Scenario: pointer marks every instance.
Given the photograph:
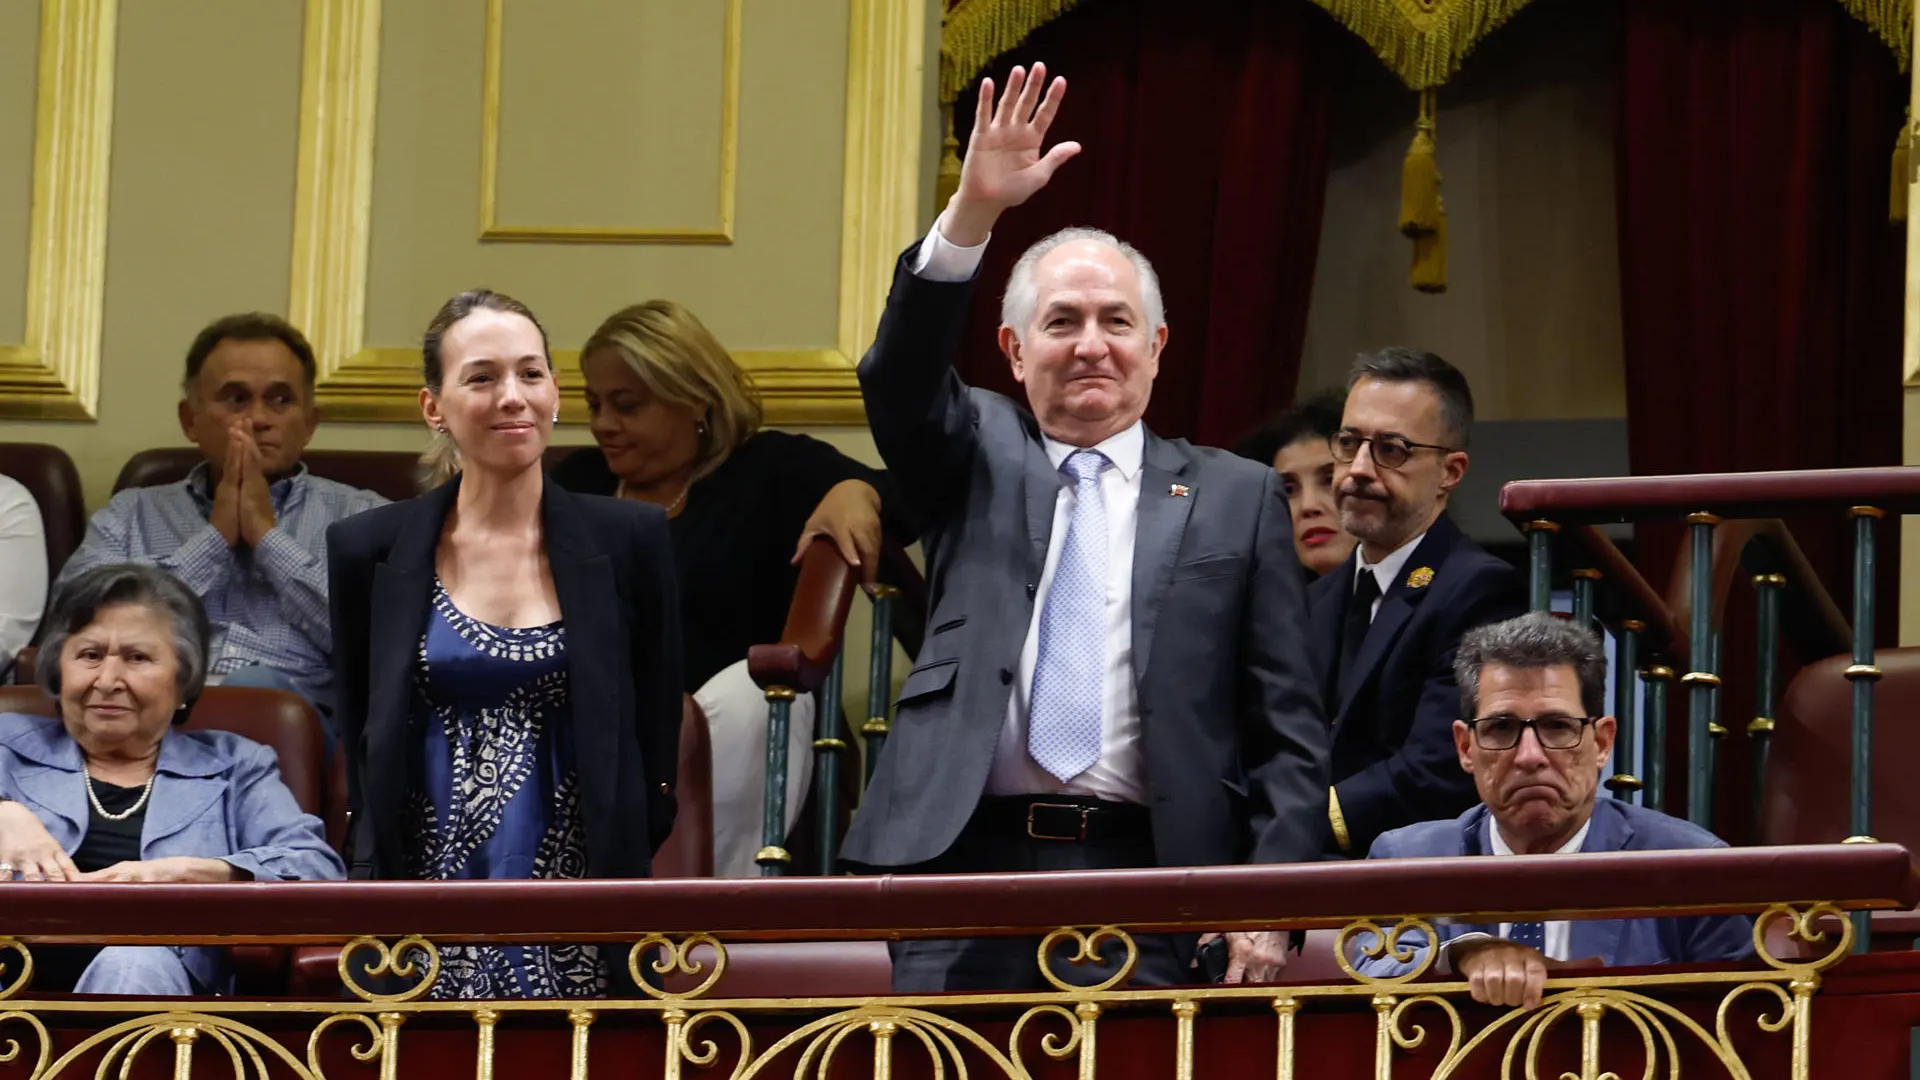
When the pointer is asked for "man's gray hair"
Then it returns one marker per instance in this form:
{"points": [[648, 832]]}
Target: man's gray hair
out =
{"points": [[1023, 295], [79, 603], [1535, 640]]}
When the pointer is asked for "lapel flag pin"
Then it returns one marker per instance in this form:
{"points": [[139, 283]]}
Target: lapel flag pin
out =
{"points": [[1178, 491], [1420, 578]]}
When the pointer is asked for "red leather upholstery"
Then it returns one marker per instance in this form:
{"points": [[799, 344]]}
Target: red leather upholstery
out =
{"points": [[48, 474], [1809, 769], [392, 473]]}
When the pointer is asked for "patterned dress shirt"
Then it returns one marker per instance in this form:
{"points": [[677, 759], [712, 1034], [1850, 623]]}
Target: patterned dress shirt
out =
{"points": [[268, 604]]}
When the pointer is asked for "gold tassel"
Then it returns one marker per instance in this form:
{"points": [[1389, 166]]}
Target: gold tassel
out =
{"points": [[1429, 274], [1420, 176], [1902, 171], [949, 178]]}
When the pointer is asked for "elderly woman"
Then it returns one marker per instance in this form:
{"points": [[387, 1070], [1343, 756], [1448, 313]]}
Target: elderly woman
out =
{"points": [[111, 792], [678, 426]]}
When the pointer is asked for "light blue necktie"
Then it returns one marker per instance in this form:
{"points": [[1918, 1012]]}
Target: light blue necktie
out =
{"points": [[1063, 729]]}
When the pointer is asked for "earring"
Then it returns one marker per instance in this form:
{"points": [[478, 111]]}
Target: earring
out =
{"points": [[700, 427], [556, 416], [440, 428]]}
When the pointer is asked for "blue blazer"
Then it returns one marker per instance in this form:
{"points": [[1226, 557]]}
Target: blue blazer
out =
{"points": [[1393, 760], [1617, 826], [217, 795]]}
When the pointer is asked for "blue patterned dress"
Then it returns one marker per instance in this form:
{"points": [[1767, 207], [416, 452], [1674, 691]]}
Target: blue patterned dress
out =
{"points": [[492, 791]]}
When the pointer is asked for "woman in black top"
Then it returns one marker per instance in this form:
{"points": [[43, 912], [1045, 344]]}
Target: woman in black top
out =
{"points": [[678, 425]]}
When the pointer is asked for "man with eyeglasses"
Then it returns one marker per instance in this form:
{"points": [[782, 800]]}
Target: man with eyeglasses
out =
{"points": [[1384, 627], [1534, 742]]}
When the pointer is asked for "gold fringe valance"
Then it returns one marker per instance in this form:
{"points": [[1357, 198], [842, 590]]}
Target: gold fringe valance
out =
{"points": [[1424, 42]]}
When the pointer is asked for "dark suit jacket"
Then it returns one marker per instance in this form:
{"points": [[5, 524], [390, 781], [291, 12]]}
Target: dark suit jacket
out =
{"points": [[1394, 761], [1235, 744], [1617, 826], [612, 565]]}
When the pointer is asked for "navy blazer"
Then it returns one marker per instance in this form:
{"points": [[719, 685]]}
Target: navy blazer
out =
{"points": [[216, 795], [1394, 761], [612, 565], [1617, 826], [1234, 744]]}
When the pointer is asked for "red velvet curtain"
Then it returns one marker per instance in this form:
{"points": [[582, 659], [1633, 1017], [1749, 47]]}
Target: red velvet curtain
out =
{"points": [[1761, 282], [1760, 278], [1204, 124]]}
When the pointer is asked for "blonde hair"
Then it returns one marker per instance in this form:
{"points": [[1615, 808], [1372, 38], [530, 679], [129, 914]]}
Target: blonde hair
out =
{"points": [[680, 361], [442, 458]]}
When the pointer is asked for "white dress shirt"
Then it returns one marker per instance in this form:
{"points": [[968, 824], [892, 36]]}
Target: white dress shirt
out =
{"points": [[1558, 932], [23, 552], [1386, 571], [1119, 774]]}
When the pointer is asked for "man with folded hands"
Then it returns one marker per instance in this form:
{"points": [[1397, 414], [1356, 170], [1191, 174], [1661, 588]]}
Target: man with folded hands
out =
{"points": [[1535, 743]]}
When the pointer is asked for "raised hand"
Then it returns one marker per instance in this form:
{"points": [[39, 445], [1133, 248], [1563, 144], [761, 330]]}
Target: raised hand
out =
{"points": [[1004, 166]]}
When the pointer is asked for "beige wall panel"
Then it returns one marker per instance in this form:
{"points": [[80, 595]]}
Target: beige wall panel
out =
{"points": [[612, 115], [205, 108], [775, 287], [19, 42], [1532, 310]]}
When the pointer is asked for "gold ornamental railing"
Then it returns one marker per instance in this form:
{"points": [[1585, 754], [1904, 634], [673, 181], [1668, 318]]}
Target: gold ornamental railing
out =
{"points": [[680, 942]]}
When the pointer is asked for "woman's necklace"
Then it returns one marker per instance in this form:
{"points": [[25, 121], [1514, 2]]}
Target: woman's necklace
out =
{"points": [[145, 793], [620, 492]]}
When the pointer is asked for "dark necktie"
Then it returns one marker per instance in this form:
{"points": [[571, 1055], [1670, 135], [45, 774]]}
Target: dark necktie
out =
{"points": [[1531, 934], [1353, 632]]}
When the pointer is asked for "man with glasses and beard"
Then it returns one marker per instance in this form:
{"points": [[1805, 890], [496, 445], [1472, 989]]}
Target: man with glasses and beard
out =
{"points": [[1384, 627], [1533, 741]]}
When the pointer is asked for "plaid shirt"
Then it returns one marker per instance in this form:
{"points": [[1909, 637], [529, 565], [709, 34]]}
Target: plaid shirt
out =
{"points": [[268, 604]]}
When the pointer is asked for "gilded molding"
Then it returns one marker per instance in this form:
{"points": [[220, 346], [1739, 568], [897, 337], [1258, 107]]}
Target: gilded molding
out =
{"points": [[55, 373], [492, 230], [333, 189], [880, 203]]}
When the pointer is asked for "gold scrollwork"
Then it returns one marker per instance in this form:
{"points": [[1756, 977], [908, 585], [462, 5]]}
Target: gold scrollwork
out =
{"points": [[127, 1040], [1051, 1044], [374, 1047], [20, 971], [709, 1051], [1087, 949], [1412, 1037], [1804, 926], [1386, 942], [676, 958], [10, 1049], [940, 1035], [402, 960]]}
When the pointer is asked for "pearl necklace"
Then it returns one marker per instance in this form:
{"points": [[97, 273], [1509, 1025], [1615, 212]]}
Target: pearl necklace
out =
{"points": [[145, 793], [620, 492]]}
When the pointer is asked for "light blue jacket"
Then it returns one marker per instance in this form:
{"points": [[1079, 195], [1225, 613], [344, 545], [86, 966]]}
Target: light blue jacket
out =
{"points": [[1617, 826], [217, 795]]}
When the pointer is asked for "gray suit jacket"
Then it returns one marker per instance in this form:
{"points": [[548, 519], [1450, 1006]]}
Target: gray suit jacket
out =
{"points": [[217, 796], [1235, 742]]}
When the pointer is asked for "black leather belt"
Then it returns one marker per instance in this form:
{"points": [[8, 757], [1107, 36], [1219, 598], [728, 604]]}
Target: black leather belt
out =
{"points": [[1066, 818]]}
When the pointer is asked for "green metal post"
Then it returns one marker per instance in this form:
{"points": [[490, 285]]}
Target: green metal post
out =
{"points": [[1863, 672], [879, 675], [773, 857], [1702, 681], [1585, 581], [1625, 782], [1767, 589], [1656, 678], [828, 744], [1540, 564]]}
